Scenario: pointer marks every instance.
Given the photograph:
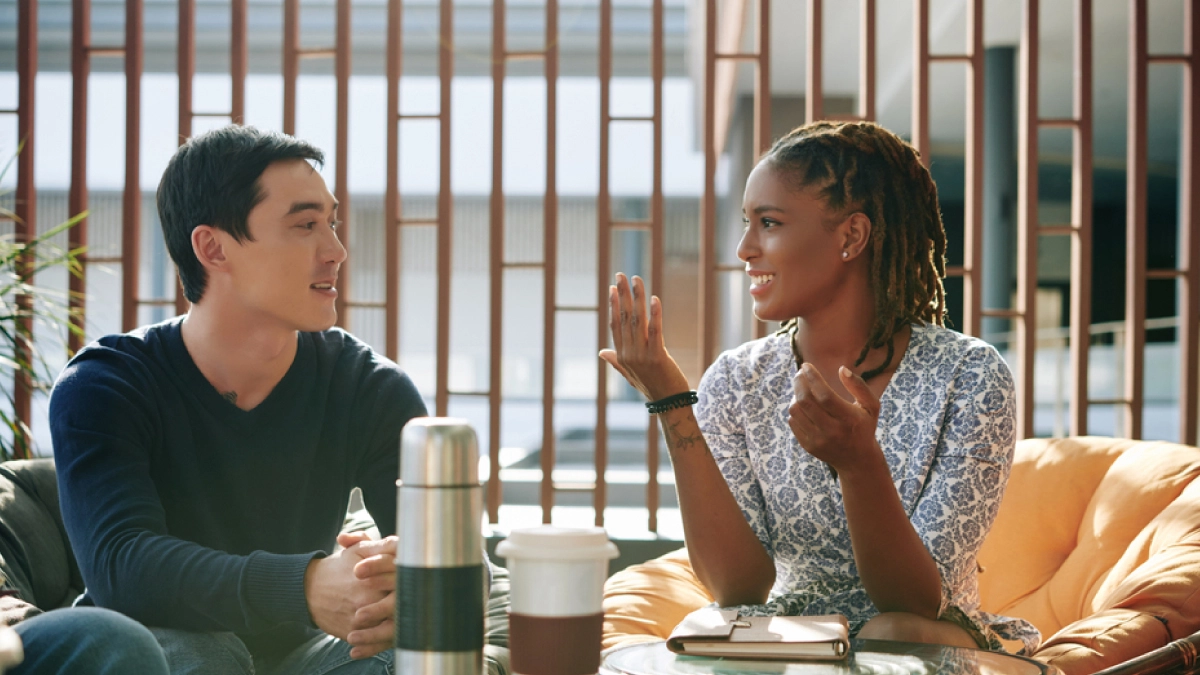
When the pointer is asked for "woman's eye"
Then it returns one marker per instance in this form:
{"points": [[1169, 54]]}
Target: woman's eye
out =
{"points": [[334, 225]]}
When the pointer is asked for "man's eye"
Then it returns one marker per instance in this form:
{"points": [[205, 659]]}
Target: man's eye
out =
{"points": [[335, 224]]}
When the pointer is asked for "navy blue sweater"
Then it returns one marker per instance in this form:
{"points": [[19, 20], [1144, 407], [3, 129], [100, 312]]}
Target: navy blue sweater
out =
{"points": [[187, 512]]}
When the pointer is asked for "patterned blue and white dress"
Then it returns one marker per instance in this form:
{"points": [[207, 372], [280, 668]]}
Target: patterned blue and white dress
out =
{"points": [[946, 426]]}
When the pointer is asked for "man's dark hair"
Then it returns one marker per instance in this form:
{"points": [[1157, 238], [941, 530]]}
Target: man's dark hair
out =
{"points": [[213, 179]]}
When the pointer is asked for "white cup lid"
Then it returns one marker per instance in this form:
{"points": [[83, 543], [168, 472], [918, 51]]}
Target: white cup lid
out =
{"points": [[548, 542]]}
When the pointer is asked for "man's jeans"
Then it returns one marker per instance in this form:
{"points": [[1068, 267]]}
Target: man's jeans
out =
{"points": [[224, 654], [191, 653], [87, 641]]}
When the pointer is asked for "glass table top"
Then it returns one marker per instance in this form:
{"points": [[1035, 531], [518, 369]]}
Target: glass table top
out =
{"points": [[867, 657]]}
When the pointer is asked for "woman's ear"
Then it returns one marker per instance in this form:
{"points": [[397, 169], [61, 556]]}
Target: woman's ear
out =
{"points": [[857, 232], [209, 247]]}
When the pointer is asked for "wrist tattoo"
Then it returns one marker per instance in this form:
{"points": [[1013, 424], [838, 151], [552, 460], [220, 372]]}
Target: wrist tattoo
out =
{"points": [[677, 436], [230, 396]]}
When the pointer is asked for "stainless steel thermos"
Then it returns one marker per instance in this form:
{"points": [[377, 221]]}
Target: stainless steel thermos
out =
{"points": [[439, 557]]}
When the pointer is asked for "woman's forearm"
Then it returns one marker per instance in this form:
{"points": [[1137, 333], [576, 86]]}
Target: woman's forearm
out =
{"points": [[896, 569], [725, 553]]}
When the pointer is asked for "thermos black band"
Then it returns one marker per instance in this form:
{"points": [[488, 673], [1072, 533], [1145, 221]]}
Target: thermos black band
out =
{"points": [[438, 609]]}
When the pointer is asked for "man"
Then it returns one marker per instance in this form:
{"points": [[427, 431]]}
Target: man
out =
{"points": [[205, 463]]}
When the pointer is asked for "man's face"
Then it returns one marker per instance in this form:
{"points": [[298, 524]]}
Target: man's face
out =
{"points": [[287, 274]]}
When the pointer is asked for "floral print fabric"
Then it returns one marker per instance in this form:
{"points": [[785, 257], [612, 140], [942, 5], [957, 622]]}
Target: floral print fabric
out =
{"points": [[947, 429]]}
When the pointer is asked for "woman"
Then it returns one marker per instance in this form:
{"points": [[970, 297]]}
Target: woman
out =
{"points": [[854, 461]]}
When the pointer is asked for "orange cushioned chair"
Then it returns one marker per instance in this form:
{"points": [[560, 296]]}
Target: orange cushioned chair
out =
{"points": [[1097, 543]]}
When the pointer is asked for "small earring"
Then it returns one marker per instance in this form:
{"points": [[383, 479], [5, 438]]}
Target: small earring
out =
{"points": [[845, 254]]}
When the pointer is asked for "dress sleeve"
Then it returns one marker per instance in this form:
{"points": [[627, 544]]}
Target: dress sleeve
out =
{"points": [[717, 414], [970, 468], [103, 426]]}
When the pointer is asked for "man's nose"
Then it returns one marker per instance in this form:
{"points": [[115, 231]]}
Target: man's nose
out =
{"points": [[335, 252]]}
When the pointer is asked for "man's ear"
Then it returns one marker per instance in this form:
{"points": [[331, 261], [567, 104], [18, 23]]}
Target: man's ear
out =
{"points": [[857, 229], [208, 243]]}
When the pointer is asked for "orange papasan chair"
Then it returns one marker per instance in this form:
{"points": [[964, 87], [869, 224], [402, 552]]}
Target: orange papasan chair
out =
{"points": [[1097, 543]]}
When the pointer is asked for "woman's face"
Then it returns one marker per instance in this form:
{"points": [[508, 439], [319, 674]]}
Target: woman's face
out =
{"points": [[792, 247]]}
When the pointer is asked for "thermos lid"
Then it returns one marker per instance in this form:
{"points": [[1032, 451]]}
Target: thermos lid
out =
{"points": [[438, 451], [548, 542]]}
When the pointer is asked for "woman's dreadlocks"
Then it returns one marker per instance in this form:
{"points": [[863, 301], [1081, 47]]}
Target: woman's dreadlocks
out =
{"points": [[860, 166]]}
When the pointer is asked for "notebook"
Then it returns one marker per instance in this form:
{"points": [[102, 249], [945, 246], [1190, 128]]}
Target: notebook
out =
{"points": [[721, 632]]}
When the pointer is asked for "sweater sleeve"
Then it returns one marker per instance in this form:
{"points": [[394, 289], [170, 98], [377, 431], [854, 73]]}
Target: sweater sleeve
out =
{"points": [[389, 401], [104, 425]]}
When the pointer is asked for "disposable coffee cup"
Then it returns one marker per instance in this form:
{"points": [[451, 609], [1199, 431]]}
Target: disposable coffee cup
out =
{"points": [[556, 579]]}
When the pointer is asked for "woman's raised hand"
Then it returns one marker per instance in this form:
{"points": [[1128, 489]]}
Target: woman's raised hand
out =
{"points": [[638, 352], [838, 432]]}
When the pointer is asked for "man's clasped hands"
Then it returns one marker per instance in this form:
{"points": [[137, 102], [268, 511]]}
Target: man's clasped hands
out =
{"points": [[350, 593]]}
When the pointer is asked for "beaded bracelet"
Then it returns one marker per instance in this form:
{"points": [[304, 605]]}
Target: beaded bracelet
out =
{"points": [[672, 402]]}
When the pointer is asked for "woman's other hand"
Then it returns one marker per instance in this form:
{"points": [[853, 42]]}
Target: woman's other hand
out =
{"points": [[638, 352], [838, 432]]}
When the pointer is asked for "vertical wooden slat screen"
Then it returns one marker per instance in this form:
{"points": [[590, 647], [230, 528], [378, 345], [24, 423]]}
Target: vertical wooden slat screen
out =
{"points": [[814, 97], [185, 64], [1025, 314], [291, 62], [549, 259], [393, 69], [972, 273], [1080, 229], [971, 270], [716, 120], [1185, 274], [25, 211], [1030, 229], [394, 218], [77, 200], [340, 52], [341, 153], [132, 205], [866, 61], [445, 210], [1189, 221], [722, 54], [604, 263], [496, 260], [658, 229], [814, 82], [606, 226], [186, 68], [920, 100], [238, 59], [1135, 232]]}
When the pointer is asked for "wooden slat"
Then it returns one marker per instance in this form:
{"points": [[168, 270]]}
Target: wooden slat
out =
{"points": [[550, 255], [604, 273], [1135, 232], [495, 261], [25, 209], [1188, 333], [973, 259], [341, 153], [393, 69], [131, 209]]}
